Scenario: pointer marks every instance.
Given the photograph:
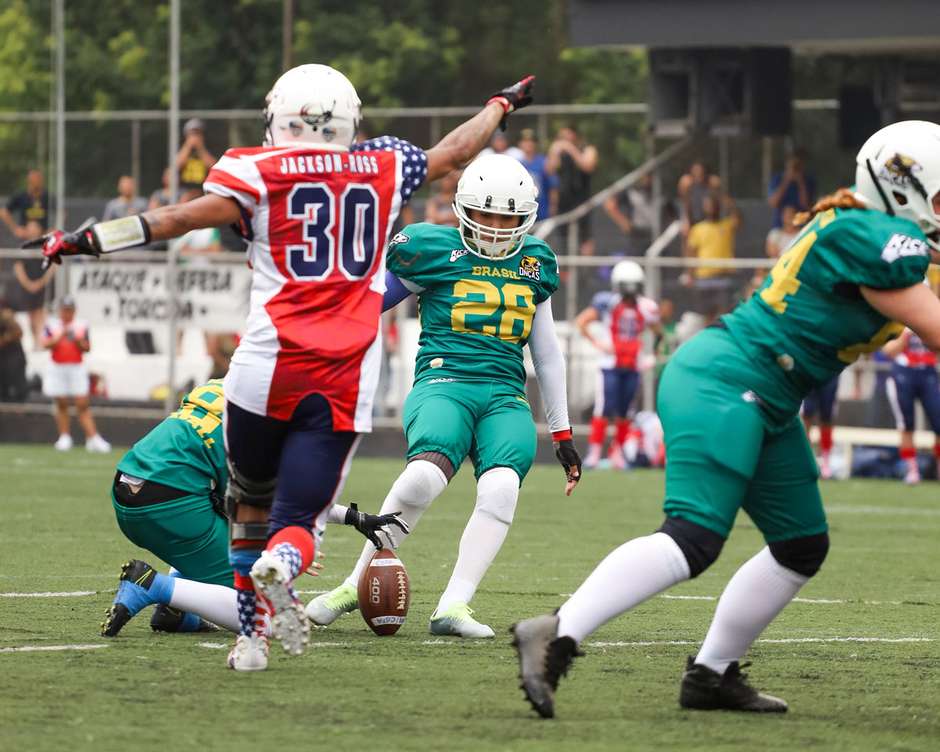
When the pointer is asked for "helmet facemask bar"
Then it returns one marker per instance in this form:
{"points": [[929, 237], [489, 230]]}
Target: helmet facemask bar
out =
{"points": [[493, 242]]}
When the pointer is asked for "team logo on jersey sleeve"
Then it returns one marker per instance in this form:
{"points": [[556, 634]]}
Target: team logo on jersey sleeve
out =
{"points": [[530, 268], [458, 253], [400, 238]]}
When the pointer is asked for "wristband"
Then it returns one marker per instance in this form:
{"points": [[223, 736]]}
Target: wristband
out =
{"points": [[501, 101], [118, 234], [563, 435]]}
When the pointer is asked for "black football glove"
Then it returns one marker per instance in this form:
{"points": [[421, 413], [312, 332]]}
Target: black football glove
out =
{"points": [[514, 98], [571, 461], [370, 524], [57, 244]]}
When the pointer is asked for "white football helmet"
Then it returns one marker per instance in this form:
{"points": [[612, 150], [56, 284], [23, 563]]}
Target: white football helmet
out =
{"points": [[313, 104], [627, 278], [898, 172], [497, 184]]}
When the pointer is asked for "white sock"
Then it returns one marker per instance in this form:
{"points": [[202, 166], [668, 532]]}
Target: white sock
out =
{"points": [[631, 574], [753, 597], [215, 603], [497, 493], [419, 484]]}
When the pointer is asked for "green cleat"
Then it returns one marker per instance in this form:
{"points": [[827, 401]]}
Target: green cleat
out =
{"points": [[459, 622], [327, 608]]}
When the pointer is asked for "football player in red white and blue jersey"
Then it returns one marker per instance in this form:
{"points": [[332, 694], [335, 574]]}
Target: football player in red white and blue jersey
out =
{"points": [[316, 210], [625, 314], [913, 378]]}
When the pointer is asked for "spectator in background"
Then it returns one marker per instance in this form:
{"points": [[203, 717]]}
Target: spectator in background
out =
{"points": [[499, 144], [193, 160], [792, 187], [439, 209], [779, 238], [573, 161], [713, 238], [634, 213], [27, 291], [13, 387], [31, 205], [127, 203], [535, 163], [693, 188], [161, 196], [67, 379]]}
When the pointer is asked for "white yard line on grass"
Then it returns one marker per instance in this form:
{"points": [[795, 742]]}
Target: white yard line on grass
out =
{"points": [[768, 641], [50, 648], [69, 594], [225, 645]]}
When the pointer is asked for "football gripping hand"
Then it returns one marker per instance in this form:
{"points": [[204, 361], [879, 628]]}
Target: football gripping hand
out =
{"points": [[514, 98], [57, 244], [371, 524], [571, 461]]}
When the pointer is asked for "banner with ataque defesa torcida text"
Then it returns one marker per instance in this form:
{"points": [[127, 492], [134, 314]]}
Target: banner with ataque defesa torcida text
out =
{"points": [[135, 295]]}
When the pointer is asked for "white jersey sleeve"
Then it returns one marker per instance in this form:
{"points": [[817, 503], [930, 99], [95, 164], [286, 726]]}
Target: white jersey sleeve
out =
{"points": [[236, 176], [549, 367]]}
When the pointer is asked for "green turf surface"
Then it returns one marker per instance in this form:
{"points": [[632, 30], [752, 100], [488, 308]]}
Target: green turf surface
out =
{"points": [[353, 691]]}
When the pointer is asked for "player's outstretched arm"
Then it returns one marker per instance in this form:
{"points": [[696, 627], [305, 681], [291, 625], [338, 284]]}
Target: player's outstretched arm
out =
{"points": [[131, 232], [549, 366], [463, 143], [915, 306]]}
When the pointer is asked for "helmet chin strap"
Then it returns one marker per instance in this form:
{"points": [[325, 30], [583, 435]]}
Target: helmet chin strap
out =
{"points": [[884, 197]]}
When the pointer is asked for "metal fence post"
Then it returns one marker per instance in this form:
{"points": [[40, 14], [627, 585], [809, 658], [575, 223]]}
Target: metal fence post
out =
{"points": [[173, 248]]}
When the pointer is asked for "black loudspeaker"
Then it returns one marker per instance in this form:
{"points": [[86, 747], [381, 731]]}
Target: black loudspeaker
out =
{"points": [[771, 91], [859, 116], [728, 90]]}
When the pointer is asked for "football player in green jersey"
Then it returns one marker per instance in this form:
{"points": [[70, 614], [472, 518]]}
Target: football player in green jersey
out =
{"points": [[729, 402], [167, 498], [483, 293]]}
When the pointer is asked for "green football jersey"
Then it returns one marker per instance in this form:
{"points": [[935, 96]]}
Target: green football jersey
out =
{"points": [[808, 321], [476, 313], [186, 450]]}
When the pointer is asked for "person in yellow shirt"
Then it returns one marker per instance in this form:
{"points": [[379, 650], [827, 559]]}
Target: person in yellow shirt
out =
{"points": [[714, 236]]}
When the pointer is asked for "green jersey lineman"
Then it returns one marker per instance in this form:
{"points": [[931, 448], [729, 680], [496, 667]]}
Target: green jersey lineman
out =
{"points": [[169, 486], [729, 402]]}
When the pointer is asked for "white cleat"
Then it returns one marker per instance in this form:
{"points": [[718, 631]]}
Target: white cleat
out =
{"points": [[825, 469], [289, 624], [249, 654], [617, 459], [912, 478], [458, 621], [63, 443], [97, 444], [327, 608]]}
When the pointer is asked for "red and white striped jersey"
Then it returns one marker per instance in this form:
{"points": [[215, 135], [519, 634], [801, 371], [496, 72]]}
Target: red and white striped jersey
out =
{"points": [[915, 354], [625, 323], [317, 223]]}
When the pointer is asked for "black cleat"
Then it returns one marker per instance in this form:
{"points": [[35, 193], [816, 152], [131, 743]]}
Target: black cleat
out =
{"points": [[543, 659], [704, 689], [132, 595], [169, 619]]}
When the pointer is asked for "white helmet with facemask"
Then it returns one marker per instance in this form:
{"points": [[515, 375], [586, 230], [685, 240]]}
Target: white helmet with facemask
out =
{"points": [[627, 278], [898, 172], [496, 184], [312, 104]]}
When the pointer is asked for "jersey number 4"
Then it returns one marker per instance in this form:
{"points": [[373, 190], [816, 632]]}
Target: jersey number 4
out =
{"points": [[319, 208]]}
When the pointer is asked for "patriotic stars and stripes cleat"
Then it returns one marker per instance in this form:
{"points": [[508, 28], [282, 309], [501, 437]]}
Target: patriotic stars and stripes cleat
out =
{"points": [[250, 653], [271, 576]]}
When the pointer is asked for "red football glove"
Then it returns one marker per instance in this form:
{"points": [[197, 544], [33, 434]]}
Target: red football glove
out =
{"points": [[57, 244], [514, 97]]}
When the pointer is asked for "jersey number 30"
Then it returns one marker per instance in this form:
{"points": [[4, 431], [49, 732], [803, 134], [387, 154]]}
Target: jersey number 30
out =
{"points": [[318, 208]]}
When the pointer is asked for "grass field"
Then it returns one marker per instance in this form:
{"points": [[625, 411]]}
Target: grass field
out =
{"points": [[858, 658]]}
